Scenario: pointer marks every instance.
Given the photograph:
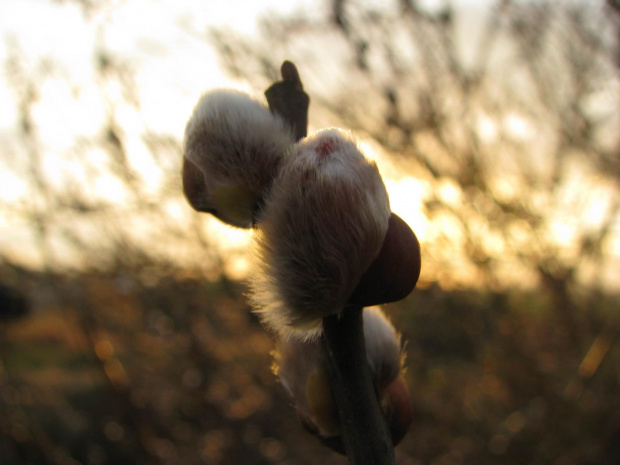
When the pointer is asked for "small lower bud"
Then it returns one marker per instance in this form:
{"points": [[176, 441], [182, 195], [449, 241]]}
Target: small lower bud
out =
{"points": [[301, 370], [397, 408]]}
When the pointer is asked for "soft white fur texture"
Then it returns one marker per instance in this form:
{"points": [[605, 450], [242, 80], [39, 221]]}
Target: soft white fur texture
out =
{"points": [[296, 360], [383, 347], [323, 225], [236, 142]]}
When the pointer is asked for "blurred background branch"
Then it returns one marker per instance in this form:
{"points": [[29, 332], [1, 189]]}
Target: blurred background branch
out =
{"points": [[495, 124]]}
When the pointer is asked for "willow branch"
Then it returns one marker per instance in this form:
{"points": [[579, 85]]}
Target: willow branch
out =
{"points": [[364, 431], [365, 435]]}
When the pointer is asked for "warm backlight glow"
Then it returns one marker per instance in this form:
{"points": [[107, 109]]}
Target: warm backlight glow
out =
{"points": [[127, 70], [406, 196]]}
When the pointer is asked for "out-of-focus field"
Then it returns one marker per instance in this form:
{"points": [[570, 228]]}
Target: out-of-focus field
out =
{"points": [[144, 368]]}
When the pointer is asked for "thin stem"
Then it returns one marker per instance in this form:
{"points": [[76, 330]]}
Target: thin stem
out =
{"points": [[364, 431]]}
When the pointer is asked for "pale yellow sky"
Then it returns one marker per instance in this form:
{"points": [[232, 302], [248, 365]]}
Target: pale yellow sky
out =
{"points": [[163, 43], [162, 40]]}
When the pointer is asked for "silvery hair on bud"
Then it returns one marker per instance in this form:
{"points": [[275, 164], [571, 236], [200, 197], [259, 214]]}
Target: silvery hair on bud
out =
{"points": [[296, 360], [235, 141], [323, 225]]}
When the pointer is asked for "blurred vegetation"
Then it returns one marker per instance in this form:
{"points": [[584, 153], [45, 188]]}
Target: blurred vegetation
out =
{"points": [[131, 343], [114, 368]]}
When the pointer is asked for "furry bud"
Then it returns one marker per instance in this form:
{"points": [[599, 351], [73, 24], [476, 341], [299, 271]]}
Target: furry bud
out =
{"points": [[301, 370], [232, 150], [322, 227]]}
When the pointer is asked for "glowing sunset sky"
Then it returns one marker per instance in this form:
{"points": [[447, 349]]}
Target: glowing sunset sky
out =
{"points": [[163, 44]]}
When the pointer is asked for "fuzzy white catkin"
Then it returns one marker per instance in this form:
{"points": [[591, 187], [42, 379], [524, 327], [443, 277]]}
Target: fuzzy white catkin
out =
{"points": [[323, 225], [297, 360], [237, 143]]}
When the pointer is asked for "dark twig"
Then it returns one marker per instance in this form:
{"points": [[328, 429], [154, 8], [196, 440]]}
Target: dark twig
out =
{"points": [[288, 99], [364, 432]]}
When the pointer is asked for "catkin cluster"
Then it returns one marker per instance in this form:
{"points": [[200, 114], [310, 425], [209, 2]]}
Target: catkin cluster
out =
{"points": [[319, 208], [324, 240]]}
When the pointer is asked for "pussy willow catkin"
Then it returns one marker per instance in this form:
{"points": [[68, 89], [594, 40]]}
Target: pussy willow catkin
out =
{"points": [[233, 147], [323, 224]]}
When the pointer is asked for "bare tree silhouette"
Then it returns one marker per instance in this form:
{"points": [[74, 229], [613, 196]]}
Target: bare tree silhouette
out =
{"points": [[512, 107]]}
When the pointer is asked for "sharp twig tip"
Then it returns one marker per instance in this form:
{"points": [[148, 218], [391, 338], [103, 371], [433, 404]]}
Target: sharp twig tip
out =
{"points": [[289, 72]]}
